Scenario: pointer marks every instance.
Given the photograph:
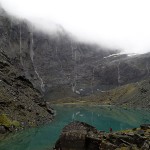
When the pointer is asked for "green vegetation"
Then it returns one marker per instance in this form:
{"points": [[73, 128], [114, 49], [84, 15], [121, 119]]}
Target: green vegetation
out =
{"points": [[4, 120]]}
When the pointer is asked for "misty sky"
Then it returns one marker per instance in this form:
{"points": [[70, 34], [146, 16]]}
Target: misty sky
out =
{"points": [[123, 24]]}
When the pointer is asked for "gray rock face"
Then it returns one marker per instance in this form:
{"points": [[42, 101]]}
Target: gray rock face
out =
{"points": [[78, 136], [49, 61], [59, 64], [19, 100]]}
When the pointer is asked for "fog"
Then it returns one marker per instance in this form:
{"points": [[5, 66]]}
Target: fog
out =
{"points": [[121, 24]]}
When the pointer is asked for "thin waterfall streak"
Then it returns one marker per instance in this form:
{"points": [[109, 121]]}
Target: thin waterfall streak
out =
{"points": [[75, 76], [20, 49], [72, 50], [75, 55], [92, 80], [31, 47], [118, 66], [60, 62], [41, 80], [74, 83], [10, 32], [93, 77], [42, 85], [74, 86], [147, 67]]}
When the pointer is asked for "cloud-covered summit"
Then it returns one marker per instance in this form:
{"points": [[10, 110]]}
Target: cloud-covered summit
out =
{"points": [[116, 24]]}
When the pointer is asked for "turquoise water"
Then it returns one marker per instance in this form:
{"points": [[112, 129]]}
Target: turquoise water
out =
{"points": [[101, 117]]}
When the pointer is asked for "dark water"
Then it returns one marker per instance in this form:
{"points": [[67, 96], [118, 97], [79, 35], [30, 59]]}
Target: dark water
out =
{"points": [[102, 118]]}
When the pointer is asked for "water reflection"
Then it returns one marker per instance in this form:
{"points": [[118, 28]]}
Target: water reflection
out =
{"points": [[103, 118]]}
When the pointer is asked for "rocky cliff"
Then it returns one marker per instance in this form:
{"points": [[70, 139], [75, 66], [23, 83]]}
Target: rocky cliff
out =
{"points": [[60, 66], [20, 102], [49, 61], [21, 105]]}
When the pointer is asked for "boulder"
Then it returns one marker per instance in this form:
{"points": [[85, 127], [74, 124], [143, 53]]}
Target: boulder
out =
{"points": [[145, 126], [78, 136], [2, 129], [81, 136], [146, 145]]}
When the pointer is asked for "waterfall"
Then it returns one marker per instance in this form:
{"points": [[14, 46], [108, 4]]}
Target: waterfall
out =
{"points": [[72, 50], [10, 33], [42, 85], [41, 80], [74, 83], [31, 47], [76, 76], [92, 80], [59, 61], [147, 67], [74, 56], [20, 49], [74, 86], [118, 66]]}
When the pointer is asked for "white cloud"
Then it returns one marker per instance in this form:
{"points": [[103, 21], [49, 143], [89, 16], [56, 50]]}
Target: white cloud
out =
{"points": [[121, 24]]}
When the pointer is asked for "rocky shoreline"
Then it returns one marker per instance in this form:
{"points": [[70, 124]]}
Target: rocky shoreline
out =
{"points": [[81, 136], [21, 105]]}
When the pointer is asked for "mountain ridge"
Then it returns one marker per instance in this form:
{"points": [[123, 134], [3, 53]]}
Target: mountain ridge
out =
{"points": [[62, 67]]}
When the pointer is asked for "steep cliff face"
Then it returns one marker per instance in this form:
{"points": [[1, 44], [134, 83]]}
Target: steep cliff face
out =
{"points": [[20, 102], [21, 105], [60, 66], [49, 61]]}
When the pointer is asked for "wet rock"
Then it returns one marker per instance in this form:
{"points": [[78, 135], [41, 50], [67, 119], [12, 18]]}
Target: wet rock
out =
{"points": [[81, 136], [146, 145], [2, 129], [12, 128], [78, 136], [145, 126], [139, 140], [42, 104], [50, 110], [119, 139], [140, 132], [107, 146]]}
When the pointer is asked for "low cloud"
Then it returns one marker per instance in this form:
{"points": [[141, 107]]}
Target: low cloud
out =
{"points": [[122, 24]]}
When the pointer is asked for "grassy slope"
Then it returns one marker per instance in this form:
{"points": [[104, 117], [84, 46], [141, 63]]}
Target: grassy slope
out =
{"points": [[134, 95]]}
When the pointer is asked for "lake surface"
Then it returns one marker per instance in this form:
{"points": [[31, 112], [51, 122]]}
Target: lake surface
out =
{"points": [[44, 137]]}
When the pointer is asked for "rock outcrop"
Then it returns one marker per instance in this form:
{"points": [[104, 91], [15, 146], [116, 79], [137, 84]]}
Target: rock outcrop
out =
{"points": [[61, 64], [19, 100], [81, 136], [78, 136]]}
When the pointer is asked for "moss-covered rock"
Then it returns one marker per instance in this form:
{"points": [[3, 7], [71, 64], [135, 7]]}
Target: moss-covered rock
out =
{"points": [[5, 121]]}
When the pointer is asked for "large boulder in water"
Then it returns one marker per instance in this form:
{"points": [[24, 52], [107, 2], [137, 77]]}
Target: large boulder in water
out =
{"points": [[78, 136], [81, 136]]}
